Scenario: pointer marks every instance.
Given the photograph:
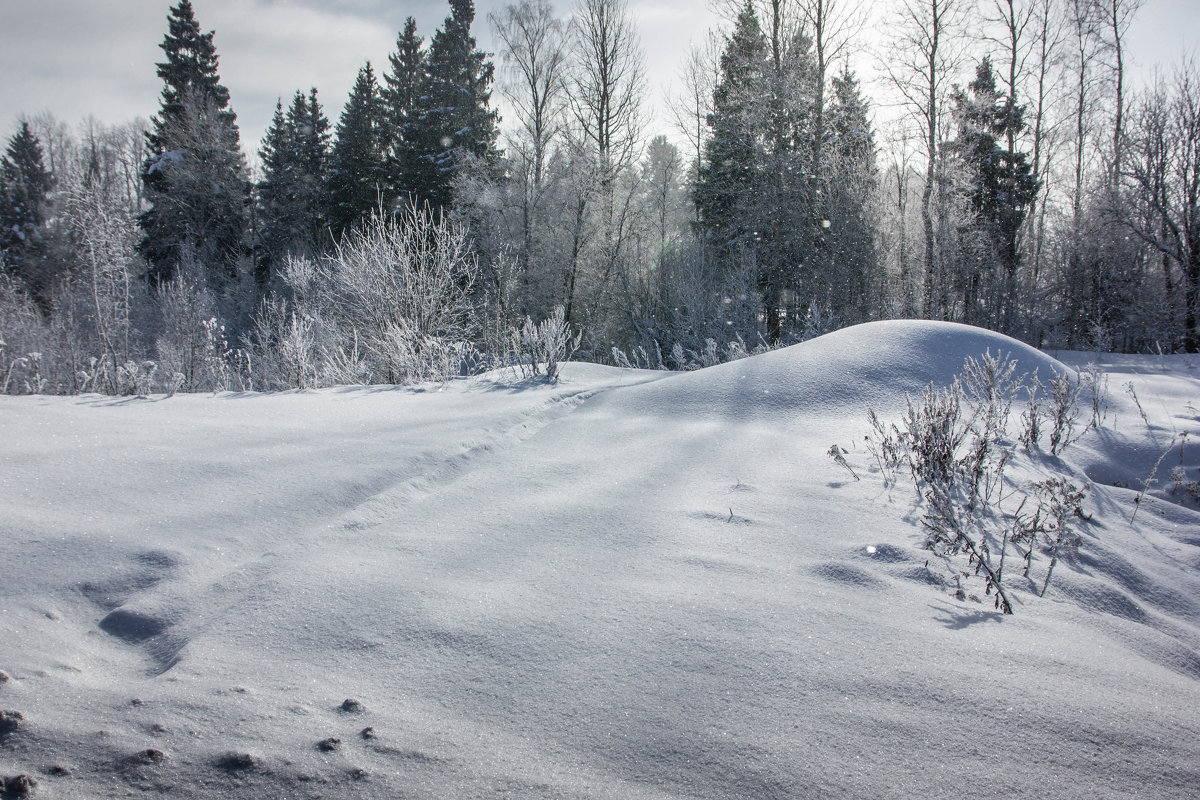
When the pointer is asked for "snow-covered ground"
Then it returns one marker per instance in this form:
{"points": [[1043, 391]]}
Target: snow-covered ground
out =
{"points": [[624, 585]]}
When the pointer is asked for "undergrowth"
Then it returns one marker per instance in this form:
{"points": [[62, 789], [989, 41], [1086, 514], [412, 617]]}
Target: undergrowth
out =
{"points": [[955, 445]]}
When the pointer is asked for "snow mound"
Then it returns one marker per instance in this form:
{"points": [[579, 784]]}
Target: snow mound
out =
{"points": [[865, 366]]}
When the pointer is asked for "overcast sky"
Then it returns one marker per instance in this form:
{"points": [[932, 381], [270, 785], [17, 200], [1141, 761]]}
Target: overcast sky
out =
{"points": [[77, 58]]}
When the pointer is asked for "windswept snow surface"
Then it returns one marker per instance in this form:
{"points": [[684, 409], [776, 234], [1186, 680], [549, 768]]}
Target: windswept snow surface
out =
{"points": [[625, 585]]}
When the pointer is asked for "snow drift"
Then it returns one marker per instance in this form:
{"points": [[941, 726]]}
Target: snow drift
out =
{"points": [[625, 585]]}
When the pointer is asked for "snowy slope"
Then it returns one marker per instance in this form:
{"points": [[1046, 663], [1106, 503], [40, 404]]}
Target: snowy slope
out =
{"points": [[626, 585]]}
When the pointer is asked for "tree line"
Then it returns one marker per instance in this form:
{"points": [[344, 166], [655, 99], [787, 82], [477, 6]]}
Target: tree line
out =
{"points": [[1017, 183]]}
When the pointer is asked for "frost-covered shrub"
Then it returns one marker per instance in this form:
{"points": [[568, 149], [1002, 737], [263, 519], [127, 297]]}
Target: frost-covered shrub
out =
{"points": [[1060, 504], [24, 335], [392, 303], [282, 348], [193, 353], [1064, 411], [956, 445], [544, 346], [684, 359]]}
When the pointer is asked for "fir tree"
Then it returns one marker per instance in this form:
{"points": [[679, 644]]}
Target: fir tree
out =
{"points": [[848, 228], [999, 185], [191, 68], [291, 193], [357, 176], [276, 194], [453, 126], [311, 127], [25, 185], [402, 90], [728, 182], [195, 174]]}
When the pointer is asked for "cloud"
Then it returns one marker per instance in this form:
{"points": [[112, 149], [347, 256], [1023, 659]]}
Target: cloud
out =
{"points": [[79, 58], [269, 50]]}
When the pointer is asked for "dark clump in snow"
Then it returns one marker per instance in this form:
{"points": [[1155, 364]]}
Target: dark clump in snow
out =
{"points": [[351, 706], [847, 574], [18, 786], [236, 762], [9, 722], [3, 676], [329, 745], [132, 626], [149, 756]]}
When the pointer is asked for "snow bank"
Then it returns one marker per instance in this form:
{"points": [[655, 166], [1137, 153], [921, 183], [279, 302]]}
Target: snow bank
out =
{"points": [[625, 585], [869, 365]]}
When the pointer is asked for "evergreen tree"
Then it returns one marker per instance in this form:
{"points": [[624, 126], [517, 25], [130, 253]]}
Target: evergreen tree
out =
{"points": [[755, 192], [25, 185], [402, 90], [311, 128], [275, 195], [848, 228], [789, 252], [357, 177], [291, 193], [195, 174], [999, 186], [728, 182], [453, 126]]}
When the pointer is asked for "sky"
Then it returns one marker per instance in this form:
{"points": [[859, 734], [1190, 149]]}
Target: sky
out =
{"points": [[80, 58]]}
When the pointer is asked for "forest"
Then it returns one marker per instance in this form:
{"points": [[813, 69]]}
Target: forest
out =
{"points": [[1009, 176]]}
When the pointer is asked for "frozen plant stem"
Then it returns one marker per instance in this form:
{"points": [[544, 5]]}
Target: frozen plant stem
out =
{"points": [[1146, 484], [839, 457], [1136, 402]]}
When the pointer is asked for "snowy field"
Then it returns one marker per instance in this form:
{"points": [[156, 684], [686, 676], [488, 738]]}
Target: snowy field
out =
{"points": [[624, 585]]}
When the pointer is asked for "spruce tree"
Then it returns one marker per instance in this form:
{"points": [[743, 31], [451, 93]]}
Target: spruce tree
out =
{"points": [[195, 175], [25, 185], [729, 180], [312, 131], [756, 193], [453, 126], [848, 226], [276, 194], [999, 187], [291, 193], [357, 175], [402, 90]]}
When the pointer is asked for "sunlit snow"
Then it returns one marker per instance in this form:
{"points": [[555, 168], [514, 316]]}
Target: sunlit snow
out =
{"points": [[623, 585]]}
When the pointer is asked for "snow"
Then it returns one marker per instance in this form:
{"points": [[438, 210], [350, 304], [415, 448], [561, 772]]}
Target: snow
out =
{"points": [[624, 585]]}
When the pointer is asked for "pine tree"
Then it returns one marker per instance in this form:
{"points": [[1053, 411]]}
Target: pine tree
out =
{"points": [[195, 174], [453, 127], [999, 185], [275, 195], [401, 92], [291, 193], [25, 185], [311, 127], [756, 193], [728, 182], [357, 175], [848, 228]]}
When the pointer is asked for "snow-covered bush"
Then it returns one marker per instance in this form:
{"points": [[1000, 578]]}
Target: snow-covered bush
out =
{"points": [[544, 346], [956, 445], [1064, 411], [193, 354], [392, 303], [282, 348], [684, 359]]}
